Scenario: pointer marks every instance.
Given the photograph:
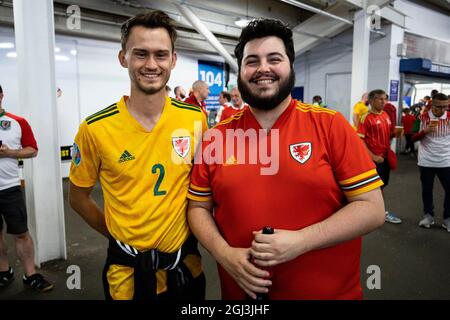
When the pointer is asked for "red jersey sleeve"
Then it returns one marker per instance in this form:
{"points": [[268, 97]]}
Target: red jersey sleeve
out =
{"points": [[354, 170], [27, 139], [200, 186]]}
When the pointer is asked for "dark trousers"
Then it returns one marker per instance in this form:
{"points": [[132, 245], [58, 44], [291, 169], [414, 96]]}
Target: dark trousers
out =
{"points": [[409, 143], [427, 178], [383, 171]]}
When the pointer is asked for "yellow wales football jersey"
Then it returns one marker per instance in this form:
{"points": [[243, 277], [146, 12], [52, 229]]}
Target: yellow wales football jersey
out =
{"points": [[144, 175]]}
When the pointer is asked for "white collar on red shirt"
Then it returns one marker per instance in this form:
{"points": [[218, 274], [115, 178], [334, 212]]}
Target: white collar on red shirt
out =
{"points": [[242, 107], [432, 116]]}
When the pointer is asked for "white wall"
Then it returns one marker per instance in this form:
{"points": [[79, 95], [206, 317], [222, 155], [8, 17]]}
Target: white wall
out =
{"points": [[91, 78], [8, 73], [424, 21], [335, 57]]}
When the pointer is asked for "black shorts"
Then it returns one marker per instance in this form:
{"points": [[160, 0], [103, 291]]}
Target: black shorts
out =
{"points": [[13, 210], [384, 171]]}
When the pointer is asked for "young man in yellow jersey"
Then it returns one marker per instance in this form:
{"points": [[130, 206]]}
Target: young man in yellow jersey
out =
{"points": [[141, 150], [360, 109]]}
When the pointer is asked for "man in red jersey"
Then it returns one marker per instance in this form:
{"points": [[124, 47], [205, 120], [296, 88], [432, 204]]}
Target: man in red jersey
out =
{"points": [[224, 100], [391, 111], [236, 105], [376, 130], [322, 197], [200, 92], [408, 121]]}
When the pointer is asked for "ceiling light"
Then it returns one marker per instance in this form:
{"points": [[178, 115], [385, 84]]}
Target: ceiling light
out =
{"points": [[242, 22], [73, 52], [6, 45], [60, 57], [57, 50], [11, 54]]}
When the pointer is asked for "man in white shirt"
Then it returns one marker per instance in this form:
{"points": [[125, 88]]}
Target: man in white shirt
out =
{"points": [[17, 142], [434, 157]]}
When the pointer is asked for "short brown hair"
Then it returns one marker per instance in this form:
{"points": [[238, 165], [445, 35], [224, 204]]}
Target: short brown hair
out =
{"points": [[440, 97], [374, 93], [151, 20], [226, 95]]}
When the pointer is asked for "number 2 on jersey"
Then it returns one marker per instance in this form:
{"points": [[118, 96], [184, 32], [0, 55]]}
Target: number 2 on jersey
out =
{"points": [[160, 168]]}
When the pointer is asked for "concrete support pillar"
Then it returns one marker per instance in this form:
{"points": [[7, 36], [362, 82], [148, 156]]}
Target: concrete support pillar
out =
{"points": [[360, 57], [35, 42], [397, 36]]}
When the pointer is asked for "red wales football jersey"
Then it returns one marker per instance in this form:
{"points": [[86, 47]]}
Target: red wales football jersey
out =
{"points": [[230, 111], [376, 130], [319, 162]]}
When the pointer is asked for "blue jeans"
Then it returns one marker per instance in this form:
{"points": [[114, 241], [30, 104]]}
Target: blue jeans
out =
{"points": [[427, 178]]}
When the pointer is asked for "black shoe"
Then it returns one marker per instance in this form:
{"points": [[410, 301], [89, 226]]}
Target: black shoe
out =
{"points": [[37, 282], [6, 277]]}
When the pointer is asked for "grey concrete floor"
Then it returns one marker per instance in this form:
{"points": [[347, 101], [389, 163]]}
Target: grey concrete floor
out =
{"points": [[413, 262]]}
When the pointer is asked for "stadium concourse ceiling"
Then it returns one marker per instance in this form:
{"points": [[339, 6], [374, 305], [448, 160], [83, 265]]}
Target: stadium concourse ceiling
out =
{"points": [[312, 21]]}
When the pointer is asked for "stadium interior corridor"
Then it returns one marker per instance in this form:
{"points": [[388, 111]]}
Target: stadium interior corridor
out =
{"points": [[413, 261]]}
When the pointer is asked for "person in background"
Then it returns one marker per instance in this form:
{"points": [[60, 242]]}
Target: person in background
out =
{"points": [[180, 93], [434, 157], [237, 105], [408, 121], [200, 92], [359, 109], [224, 100], [16, 142], [376, 130], [320, 200], [429, 101], [391, 111], [168, 90], [317, 101]]}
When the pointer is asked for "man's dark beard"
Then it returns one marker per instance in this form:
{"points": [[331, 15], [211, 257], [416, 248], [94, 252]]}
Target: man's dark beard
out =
{"points": [[267, 103]]}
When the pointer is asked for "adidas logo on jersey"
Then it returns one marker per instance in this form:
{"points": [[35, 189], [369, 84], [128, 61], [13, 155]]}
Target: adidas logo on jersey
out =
{"points": [[231, 161], [126, 156]]}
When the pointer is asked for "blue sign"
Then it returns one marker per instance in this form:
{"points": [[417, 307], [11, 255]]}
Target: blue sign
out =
{"points": [[424, 67], [213, 74], [393, 90]]}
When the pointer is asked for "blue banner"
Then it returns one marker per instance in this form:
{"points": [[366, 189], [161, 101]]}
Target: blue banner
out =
{"points": [[393, 90], [213, 74]]}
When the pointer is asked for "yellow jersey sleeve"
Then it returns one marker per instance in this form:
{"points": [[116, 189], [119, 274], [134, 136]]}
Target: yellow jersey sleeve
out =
{"points": [[360, 108], [84, 169]]}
